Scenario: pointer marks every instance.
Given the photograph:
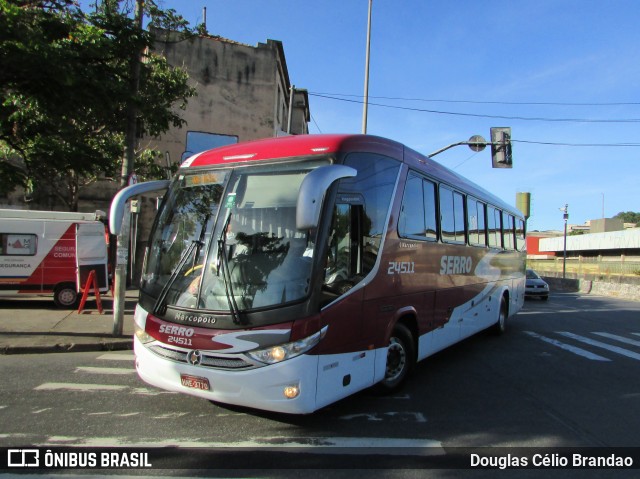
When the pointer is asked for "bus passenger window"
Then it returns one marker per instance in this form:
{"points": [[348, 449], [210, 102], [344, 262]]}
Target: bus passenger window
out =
{"points": [[476, 221], [508, 232], [452, 216], [520, 238], [494, 217], [431, 223], [411, 222], [418, 213], [345, 250]]}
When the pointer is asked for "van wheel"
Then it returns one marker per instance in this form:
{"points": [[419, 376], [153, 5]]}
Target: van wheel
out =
{"points": [[501, 325], [400, 359], [65, 295]]}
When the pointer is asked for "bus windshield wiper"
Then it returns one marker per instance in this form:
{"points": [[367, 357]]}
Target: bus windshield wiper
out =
{"points": [[158, 307], [223, 265]]}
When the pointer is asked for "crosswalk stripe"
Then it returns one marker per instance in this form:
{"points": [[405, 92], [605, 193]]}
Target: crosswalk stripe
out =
{"points": [[117, 356], [568, 347], [112, 371], [622, 339], [79, 387], [599, 344]]}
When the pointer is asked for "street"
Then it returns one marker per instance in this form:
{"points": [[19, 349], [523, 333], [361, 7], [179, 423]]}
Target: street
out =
{"points": [[564, 375]]}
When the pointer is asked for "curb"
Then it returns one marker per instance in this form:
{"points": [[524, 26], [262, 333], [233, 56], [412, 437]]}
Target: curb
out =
{"points": [[124, 345]]}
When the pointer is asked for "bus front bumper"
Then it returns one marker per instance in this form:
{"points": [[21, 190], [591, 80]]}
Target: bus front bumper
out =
{"points": [[261, 388]]}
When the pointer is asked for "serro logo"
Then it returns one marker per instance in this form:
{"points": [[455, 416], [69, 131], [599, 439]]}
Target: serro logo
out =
{"points": [[23, 458], [176, 330], [456, 265]]}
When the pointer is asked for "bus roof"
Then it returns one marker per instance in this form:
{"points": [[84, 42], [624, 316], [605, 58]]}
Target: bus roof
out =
{"points": [[315, 145]]}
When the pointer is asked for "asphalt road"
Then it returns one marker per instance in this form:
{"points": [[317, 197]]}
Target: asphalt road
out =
{"points": [[564, 375]]}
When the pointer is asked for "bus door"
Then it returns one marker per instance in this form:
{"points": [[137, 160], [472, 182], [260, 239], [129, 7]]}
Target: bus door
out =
{"points": [[345, 266]]}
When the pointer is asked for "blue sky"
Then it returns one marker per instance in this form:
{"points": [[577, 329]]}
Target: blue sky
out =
{"points": [[529, 65]]}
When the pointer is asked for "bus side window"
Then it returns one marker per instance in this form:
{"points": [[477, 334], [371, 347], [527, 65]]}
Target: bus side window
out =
{"points": [[520, 235], [418, 213], [411, 222], [345, 253], [495, 227], [508, 231], [476, 222], [452, 216]]}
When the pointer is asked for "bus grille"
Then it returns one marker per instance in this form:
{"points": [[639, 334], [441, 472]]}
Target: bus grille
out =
{"points": [[207, 361]]}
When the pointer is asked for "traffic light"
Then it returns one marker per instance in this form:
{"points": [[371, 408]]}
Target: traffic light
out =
{"points": [[501, 148]]}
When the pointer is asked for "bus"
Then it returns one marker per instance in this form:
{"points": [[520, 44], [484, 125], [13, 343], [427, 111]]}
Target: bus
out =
{"points": [[286, 274]]}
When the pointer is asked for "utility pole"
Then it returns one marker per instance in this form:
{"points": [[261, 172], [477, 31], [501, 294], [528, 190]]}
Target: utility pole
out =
{"points": [[565, 215], [365, 107], [122, 253]]}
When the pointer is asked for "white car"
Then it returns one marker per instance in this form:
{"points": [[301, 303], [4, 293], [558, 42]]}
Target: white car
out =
{"points": [[535, 286]]}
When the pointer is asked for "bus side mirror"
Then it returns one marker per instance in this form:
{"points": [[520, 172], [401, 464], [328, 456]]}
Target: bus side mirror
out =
{"points": [[116, 213], [312, 191]]}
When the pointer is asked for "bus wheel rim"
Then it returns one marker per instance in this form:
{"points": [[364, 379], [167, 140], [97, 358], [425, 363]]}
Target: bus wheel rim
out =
{"points": [[396, 360]]}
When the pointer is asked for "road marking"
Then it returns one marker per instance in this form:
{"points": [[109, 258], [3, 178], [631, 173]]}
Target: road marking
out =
{"points": [[113, 371], [403, 416], [598, 344], [622, 339], [79, 387], [117, 356], [567, 347]]}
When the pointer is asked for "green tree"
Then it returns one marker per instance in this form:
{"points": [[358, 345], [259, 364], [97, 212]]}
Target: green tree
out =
{"points": [[65, 83], [629, 217]]}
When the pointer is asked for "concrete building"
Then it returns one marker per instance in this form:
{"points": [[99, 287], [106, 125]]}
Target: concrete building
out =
{"points": [[613, 243], [243, 93]]}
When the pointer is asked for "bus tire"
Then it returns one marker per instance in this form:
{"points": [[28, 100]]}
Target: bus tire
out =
{"points": [[65, 295], [501, 325], [400, 359]]}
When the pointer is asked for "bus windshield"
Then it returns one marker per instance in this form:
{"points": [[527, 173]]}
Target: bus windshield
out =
{"points": [[226, 240]]}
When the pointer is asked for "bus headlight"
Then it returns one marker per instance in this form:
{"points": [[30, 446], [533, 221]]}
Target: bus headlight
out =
{"points": [[282, 352], [142, 335]]}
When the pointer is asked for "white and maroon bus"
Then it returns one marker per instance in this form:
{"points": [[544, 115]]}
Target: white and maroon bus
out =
{"points": [[286, 274]]}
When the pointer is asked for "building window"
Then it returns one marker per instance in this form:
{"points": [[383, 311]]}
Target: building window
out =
{"points": [[198, 141]]}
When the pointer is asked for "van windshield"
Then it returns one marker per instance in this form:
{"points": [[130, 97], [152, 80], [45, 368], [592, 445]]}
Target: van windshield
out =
{"points": [[226, 240]]}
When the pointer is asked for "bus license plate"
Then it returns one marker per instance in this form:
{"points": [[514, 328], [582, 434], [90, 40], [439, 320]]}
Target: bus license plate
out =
{"points": [[195, 382]]}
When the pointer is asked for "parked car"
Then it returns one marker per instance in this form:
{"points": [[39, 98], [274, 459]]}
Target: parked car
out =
{"points": [[536, 287]]}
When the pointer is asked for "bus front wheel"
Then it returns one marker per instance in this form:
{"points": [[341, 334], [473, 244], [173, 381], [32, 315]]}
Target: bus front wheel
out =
{"points": [[400, 359]]}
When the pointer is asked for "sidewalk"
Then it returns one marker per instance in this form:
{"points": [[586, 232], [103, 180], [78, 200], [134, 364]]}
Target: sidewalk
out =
{"points": [[35, 325]]}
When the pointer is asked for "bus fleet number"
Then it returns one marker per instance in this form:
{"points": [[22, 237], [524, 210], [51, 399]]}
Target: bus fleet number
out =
{"points": [[401, 267]]}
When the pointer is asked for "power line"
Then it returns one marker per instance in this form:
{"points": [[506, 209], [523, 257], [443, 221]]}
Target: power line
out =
{"points": [[478, 102], [551, 143], [315, 122], [477, 115]]}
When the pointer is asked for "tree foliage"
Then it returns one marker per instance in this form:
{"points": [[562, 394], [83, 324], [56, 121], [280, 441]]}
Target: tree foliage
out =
{"points": [[629, 217], [65, 83]]}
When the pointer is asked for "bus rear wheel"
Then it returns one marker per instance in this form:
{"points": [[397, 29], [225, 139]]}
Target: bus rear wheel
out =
{"points": [[501, 325], [400, 359]]}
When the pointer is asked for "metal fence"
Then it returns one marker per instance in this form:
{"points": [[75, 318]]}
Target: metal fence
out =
{"points": [[583, 267]]}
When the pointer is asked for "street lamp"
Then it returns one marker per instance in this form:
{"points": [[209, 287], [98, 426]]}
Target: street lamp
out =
{"points": [[565, 212]]}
